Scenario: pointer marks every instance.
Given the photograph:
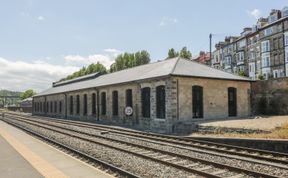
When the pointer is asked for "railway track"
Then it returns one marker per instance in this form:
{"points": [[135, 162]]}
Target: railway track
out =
{"points": [[269, 156], [182, 162]]}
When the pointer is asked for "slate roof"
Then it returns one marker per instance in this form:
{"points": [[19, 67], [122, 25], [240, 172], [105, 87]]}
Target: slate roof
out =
{"points": [[176, 66]]}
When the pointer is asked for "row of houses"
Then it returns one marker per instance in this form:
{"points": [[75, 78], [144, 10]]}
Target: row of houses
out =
{"points": [[260, 52]]}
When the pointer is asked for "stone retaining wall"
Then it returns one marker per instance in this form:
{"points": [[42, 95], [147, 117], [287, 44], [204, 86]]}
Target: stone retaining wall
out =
{"points": [[270, 97]]}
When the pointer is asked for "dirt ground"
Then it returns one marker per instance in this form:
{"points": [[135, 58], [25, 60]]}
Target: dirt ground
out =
{"points": [[261, 122]]}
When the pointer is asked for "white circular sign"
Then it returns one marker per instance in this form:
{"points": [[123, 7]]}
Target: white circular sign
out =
{"points": [[128, 111]]}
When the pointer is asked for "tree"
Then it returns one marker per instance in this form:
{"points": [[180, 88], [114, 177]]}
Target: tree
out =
{"points": [[241, 73], [172, 53], [27, 94], [129, 60], [92, 68], [184, 53]]}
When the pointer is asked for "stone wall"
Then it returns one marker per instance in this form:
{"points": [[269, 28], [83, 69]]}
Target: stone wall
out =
{"points": [[270, 97], [178, 105]]}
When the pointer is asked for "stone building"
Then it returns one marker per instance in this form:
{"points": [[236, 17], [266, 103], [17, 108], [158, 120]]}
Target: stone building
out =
{"points": [[165, 96], [261, 51]]}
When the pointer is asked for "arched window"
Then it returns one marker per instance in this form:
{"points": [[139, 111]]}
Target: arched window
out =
{"points": [[93, 104], [160, 101], [129, 98], [103, 103], [232, 101], [47, 106], [51, 107], [60, 107], [145, 101], [197, 101], [85, 105], [115, 103], [55, 106], [71, 105], [77, 104]]}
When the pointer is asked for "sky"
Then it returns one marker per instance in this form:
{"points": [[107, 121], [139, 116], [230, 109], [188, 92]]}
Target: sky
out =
{"points": [[42, 41]]}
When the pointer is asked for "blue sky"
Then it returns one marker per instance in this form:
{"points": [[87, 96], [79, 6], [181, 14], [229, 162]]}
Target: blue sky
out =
{"points": [[71, 34]]}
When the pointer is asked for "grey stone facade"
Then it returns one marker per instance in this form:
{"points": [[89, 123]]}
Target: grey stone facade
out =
{"points": [[178, 103]]}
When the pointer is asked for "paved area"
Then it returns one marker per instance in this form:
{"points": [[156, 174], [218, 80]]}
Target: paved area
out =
{"points": [[24, 155], [262, 123], [12, 164]]}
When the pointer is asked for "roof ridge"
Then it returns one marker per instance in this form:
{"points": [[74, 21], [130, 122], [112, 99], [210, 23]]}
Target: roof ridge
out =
{"points": [[175, 65]]}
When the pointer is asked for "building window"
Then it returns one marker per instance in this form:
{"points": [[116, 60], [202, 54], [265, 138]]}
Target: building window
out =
{"points": [[129, 98], [93, 104], [51, 106], [60, 106], [47, 106], [286, 39], [85, 105], [115, 103], [71, 105], [241, 56], [160, 101], [265, 45], [268, 31], [103, 103], [266, 60], [286, 55], [232, 101], [145, 101], [285, 12], [197, 101], [55, 106], [40, 106], [77, 104]]}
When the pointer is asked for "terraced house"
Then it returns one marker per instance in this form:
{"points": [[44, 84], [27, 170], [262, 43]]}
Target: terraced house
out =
{"points": [[167, 96], [261, 51]]}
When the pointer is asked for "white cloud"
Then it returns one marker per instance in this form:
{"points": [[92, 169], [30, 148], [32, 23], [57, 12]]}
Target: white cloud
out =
{"points": [[168, 21], [256, 13], [107, 58], [38, 75], [40, 18]]}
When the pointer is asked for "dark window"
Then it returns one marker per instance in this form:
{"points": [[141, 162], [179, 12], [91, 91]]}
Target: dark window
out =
{"points": [[129, 98], [60, 107], [85, 104], [103, 103], [145, 98], [115, 103], [40, 106], [160, 101], [55, 106], [51, 106], [47, 106], [71, 105], [197, 101], [93, 104], [77, 104], [232, 101]]}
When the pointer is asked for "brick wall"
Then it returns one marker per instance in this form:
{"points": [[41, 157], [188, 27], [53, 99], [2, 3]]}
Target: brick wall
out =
{"points": [[270, 97]]}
